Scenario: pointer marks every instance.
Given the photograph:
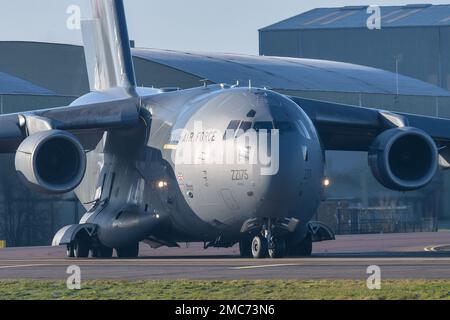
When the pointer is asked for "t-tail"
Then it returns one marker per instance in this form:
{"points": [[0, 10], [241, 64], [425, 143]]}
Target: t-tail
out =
{"points": [[107, 47]]}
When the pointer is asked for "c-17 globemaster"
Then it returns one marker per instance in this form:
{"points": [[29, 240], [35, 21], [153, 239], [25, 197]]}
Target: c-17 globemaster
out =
{"points": [[219, 164]]}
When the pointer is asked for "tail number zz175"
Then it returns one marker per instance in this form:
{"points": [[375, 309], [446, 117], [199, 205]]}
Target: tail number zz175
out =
{"points": [[239, 175]]}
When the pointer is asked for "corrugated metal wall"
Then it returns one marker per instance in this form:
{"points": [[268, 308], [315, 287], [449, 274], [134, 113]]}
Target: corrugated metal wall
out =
{"points": [[419, 52], [30, 61], [18, 103]]}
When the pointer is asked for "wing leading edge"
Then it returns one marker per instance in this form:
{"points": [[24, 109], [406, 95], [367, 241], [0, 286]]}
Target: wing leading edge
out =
{"points": [[89, 118], [351, 128]]}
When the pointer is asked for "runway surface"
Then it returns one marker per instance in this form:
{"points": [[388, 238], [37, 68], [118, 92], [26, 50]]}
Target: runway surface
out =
{"points": [[400, 256]]}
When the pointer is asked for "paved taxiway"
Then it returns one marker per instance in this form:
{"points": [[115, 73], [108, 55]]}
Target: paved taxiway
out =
{"points": [[400, 256]]}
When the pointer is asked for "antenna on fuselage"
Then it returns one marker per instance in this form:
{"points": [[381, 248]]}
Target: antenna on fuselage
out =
{"points": [[205, 82], [237, 84]]}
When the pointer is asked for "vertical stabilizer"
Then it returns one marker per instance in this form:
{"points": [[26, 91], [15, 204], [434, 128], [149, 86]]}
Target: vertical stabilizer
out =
{"points": [[107, 47]]}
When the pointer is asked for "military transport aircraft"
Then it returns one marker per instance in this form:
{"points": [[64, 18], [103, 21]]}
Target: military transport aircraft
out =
{"points": [[219, 164]]}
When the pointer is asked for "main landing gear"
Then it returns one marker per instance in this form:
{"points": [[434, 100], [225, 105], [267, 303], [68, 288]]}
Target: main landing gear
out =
{"points": [[83, 247], [79, 247], [128, 252], [82, 242]]}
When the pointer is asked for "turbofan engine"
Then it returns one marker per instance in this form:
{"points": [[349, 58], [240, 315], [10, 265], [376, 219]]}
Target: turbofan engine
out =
{"points": [[404, 159], [51, 162]]}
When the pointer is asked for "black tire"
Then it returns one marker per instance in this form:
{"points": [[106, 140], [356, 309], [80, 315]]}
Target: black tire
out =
{"points": [[105, 252], [102, 252], [260, 247], [81, 248], [279, 249], [70, 251], [304, 248], [129, 252], [245, 248]]}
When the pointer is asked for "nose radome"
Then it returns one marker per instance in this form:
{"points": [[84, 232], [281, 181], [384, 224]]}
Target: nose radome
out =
{"points": [[283, 188]]}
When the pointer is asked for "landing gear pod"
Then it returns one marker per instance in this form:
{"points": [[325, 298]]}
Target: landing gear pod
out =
{"points": [[51, 162], [404, 159]]}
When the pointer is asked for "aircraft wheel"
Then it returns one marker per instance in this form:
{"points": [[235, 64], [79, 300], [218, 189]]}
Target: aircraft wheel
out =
{"points": [[245, 248], [105, 252], [128, 252], [278, 249], [102, 252], [260, 247], [70, 251], [81, 248]]}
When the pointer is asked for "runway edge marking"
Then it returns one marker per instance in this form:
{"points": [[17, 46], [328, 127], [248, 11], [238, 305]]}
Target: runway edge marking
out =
{"points": [[25, 266], [263, 266], [437, 248]]}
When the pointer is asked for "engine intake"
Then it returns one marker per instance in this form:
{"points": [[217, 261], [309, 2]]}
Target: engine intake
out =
{"points": [[51, 162], [404, 159]]}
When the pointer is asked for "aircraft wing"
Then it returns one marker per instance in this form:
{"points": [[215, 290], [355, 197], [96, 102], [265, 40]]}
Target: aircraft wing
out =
{"points": [[352, 128], [89, 118]]}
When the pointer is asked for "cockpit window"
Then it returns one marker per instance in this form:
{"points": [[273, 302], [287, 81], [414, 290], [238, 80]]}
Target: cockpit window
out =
{"points": [[238, 127], [251, 114], [231, 129], [245, 126], [234, 125], [263, 125]]}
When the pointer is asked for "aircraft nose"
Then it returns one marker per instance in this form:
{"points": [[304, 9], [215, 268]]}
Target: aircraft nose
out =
{"points": [[283, 180]]}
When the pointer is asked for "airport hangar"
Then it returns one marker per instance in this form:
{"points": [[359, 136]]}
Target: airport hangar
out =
{"points": [[414, 39], [357, 202]]}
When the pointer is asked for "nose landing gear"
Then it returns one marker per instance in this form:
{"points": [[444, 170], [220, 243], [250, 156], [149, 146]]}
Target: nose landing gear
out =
{"points": [[265, 244], [277, 249], [260, 247]]}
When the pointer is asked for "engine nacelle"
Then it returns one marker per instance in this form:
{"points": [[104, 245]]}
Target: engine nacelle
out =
{"points": [[404, 159], [51, 162]]}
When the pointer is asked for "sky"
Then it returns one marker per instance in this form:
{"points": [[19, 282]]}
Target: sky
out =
{"points": [[191, 25]]}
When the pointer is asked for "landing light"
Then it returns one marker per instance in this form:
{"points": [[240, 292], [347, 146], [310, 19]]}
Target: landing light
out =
{"points": [[326, 182], [162, 184]]}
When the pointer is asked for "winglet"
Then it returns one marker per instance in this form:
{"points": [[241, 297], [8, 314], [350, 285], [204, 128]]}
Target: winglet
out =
{"points": [[107, 47]]}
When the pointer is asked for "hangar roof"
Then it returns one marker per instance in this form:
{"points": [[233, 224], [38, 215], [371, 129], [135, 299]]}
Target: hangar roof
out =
{"points": [[423, 15], [13, 85], [289, 73]]}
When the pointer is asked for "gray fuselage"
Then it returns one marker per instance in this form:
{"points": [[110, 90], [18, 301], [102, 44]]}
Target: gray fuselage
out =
{"points": [[166, 180]]}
